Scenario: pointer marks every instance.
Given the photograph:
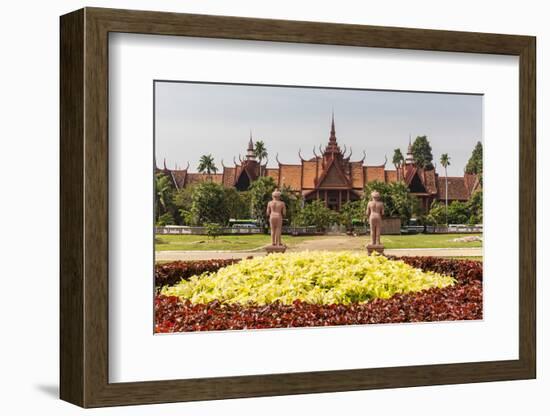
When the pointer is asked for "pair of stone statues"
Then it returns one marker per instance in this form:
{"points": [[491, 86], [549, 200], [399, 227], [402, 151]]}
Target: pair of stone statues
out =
{"points": [[276, 210]]}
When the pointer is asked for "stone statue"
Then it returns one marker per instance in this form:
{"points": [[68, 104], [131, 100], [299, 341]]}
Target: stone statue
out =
{"points": [[276, 210], [375, 212]]}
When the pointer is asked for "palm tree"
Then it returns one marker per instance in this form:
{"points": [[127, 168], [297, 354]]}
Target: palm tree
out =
{"points": [[445, 161], [260, 152], [206, 165], [397, 160]]}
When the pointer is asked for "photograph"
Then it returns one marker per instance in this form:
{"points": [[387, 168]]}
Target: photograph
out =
{"points": [[279, 206]]}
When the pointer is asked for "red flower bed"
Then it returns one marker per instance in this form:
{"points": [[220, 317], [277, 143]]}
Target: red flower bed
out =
{"points": [[463, 301], [172, 273], [460, 302], [464, 271]]}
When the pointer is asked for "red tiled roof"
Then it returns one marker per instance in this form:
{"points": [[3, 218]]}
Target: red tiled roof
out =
{"points": [[429, 180], [196, 178], [408, 173], [228, 176], [290, 175], [274, 173], [374, 173], [309, 172], [391, 176], [457, 190], [357, 175]]}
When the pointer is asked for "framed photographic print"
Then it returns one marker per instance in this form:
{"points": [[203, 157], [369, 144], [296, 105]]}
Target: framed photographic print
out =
{"points": [[255, 207]]}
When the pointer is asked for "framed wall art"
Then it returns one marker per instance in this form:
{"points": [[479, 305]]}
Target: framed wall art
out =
{"points": [[254, 207]]}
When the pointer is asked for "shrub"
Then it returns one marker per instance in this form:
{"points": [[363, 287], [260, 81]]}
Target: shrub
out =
{"points": [[213, 230], [165, 219], [316, 214], [315, 277]]}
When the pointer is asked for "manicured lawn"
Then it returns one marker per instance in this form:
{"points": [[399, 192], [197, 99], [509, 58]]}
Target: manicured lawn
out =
{"points": [[427, 241], [223, 242], [339, 242]]}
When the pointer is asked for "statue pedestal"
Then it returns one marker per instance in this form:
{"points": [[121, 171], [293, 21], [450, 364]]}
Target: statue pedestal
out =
{"points": [[379, 248], [275, 249]]}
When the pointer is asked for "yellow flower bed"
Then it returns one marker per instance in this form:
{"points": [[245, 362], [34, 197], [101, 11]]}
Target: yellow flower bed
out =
{"points": [[318, 277]]}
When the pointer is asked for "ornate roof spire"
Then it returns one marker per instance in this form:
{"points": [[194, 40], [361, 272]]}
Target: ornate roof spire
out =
{"points": [[332, 130], [250, 155], [409, 159], [332, 148]]}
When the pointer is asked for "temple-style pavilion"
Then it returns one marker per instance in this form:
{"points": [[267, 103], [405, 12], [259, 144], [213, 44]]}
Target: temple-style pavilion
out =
{"points": [[332, 176]]}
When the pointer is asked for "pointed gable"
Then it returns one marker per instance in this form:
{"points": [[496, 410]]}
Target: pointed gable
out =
{"points": [[178, 178], [333, 177], [471, 181], [429, 181], [415, 185], [249, 172]]}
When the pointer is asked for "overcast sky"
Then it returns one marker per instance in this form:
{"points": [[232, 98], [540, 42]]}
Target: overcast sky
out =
{"points": [[192, 119]]}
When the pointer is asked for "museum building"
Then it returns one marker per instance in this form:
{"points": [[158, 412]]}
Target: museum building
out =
{"points": [[333, 177]]}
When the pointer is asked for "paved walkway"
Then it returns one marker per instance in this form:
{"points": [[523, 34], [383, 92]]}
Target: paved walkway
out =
{"points": [[204, 255]]}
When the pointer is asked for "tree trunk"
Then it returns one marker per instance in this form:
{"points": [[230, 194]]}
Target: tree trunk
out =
{"points": [[446, 197]]}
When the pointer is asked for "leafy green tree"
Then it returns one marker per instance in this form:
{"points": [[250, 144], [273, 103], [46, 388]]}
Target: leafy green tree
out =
{"points": [[458, 213], [260, 194], [398, 202], [475, 207], [445, 161], [316, 214], [437, 214], [207, 165], [208, 204], [237, 203], [260, 151], [475, 163], [183, 201], [470, 212], [422, 152], [163, 194], [293, 204], [398, 158]]}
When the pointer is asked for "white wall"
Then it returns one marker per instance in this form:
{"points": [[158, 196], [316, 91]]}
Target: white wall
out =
{"points": [[29, 179]]}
